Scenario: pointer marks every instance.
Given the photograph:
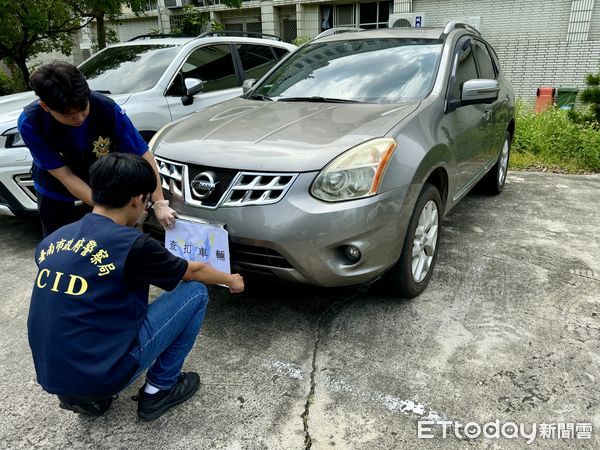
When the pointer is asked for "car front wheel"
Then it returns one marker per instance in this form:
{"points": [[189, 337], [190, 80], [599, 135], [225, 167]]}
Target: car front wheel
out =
{"points": [[409, 277]]}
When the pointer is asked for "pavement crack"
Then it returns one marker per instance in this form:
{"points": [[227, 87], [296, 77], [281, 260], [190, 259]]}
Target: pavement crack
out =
{"points": [[332, 310], [309, 399]]}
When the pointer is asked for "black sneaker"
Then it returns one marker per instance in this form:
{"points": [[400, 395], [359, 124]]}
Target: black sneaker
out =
{"points": [[152, 406], [94, 408]]}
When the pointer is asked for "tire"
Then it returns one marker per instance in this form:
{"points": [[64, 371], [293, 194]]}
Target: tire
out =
{"points": [[494, 180], [411, 274]]}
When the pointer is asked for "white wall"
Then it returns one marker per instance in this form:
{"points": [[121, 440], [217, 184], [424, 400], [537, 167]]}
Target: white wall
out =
{"points": [[530, 37], [127, 29]]}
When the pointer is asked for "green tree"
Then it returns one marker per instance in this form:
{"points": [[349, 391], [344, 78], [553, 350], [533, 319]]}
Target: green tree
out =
{"points": [[191, 22], [590, 96], [102, 10], [30, 27]]}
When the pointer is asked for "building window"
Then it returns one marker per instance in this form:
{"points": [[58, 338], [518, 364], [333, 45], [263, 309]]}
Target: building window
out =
{"points": [[580, 19], [344, 15], [290, 29], [246, 25], [356, 15]]}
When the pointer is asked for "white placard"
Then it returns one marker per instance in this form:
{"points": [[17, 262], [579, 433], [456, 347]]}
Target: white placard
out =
{"points": [[203, 242]]}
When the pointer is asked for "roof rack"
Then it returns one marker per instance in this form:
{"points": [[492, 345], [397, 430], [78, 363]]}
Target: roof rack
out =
{"points": [[239, 33], [453, 25], [143, 37], [337, 30]]}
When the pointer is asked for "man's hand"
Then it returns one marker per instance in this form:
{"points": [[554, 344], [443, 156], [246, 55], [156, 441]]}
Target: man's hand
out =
{"points": [[237, 284], [164, 214]]}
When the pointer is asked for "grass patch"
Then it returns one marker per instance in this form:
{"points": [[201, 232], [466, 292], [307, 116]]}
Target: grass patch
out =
{"points": [[551, 141]]}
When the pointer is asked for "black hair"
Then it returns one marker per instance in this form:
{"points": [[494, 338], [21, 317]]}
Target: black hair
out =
{"points": [[118, 177], [61, 86]]}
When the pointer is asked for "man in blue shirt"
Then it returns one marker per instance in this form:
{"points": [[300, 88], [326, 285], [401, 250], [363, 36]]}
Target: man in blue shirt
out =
{"points": [[91, 330], [67, 130]]}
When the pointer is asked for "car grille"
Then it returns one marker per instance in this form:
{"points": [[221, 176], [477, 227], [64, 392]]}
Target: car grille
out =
{"points": [[247, 254], [171, 174], [223, 178], [222, 187], [258, 188]]}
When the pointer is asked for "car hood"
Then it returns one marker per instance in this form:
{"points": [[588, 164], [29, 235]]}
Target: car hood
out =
{"points": [[276, 136], [11, 106]]}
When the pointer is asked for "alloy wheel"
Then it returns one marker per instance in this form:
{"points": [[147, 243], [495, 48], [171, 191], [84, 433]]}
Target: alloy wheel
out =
{"points": [[503, 164], [425, 240]]}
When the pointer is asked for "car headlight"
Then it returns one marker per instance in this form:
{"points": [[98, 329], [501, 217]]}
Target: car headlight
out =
{"points": [[12, 138], [356, 173]]}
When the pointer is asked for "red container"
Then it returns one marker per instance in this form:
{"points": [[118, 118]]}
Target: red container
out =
{"points": [[545, 99]]}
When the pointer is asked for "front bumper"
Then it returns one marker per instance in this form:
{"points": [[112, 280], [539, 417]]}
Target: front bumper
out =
{"points": [[303, 239], [17, 194]]}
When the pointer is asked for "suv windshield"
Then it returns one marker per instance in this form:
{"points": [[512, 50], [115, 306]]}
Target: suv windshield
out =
{"points": [[131, 68], [369, 70]]}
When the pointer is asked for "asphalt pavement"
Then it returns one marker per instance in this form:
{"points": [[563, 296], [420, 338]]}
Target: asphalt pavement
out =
{"points": [[508, 332]]}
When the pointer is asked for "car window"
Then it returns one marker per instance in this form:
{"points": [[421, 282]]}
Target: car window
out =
{"points": [[256, 59], [484, 61], [464, 67], [280, 52], [390, 70], [131, 68], [494, 59], [213, 64]]}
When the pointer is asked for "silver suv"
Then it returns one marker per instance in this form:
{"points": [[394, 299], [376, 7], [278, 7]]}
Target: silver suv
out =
{"points": [[337, 167], [155, 80]]}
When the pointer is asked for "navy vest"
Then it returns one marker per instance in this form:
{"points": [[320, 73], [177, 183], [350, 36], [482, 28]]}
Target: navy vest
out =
{"points": [[84, 317], [102, 139]]}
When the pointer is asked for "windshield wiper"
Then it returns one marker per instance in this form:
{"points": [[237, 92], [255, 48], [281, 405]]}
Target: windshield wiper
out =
{"points": [[316, 99], [103, 91], [256, 96]]}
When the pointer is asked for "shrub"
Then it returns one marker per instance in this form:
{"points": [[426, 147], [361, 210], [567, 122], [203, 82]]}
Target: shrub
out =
{"points": [[552, 140], [301, 40], [590, 96]]}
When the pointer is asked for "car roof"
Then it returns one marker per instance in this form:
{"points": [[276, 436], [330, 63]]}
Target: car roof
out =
{"points": [[387, 33], [179, 41], [151, 42]]}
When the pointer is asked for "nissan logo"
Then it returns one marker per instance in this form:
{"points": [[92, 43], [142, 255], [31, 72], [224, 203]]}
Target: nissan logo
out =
{"points": [[204, 184]]}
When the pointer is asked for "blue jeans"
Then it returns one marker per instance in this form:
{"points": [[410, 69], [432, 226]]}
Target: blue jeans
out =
{"points": [[168, 333]]}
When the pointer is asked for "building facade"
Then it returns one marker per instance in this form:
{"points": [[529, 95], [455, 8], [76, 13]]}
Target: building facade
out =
{"points": [[540, 42]]}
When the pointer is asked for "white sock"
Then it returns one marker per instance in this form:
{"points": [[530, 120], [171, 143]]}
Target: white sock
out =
{"points": [[149, 389]]}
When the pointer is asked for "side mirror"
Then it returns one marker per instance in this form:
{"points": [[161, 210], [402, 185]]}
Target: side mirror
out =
{"points": [[479, 91], [192, 87], [475, 92], [247, 85]]}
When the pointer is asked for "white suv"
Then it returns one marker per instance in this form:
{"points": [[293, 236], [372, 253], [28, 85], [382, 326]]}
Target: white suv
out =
{"points": [[155, 80]]}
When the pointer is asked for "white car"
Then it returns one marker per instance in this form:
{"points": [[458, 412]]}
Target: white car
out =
{"points": [[155, 80]]}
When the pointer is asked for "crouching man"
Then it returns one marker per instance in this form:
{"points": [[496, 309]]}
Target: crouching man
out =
{"points": [[91, 330]]}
